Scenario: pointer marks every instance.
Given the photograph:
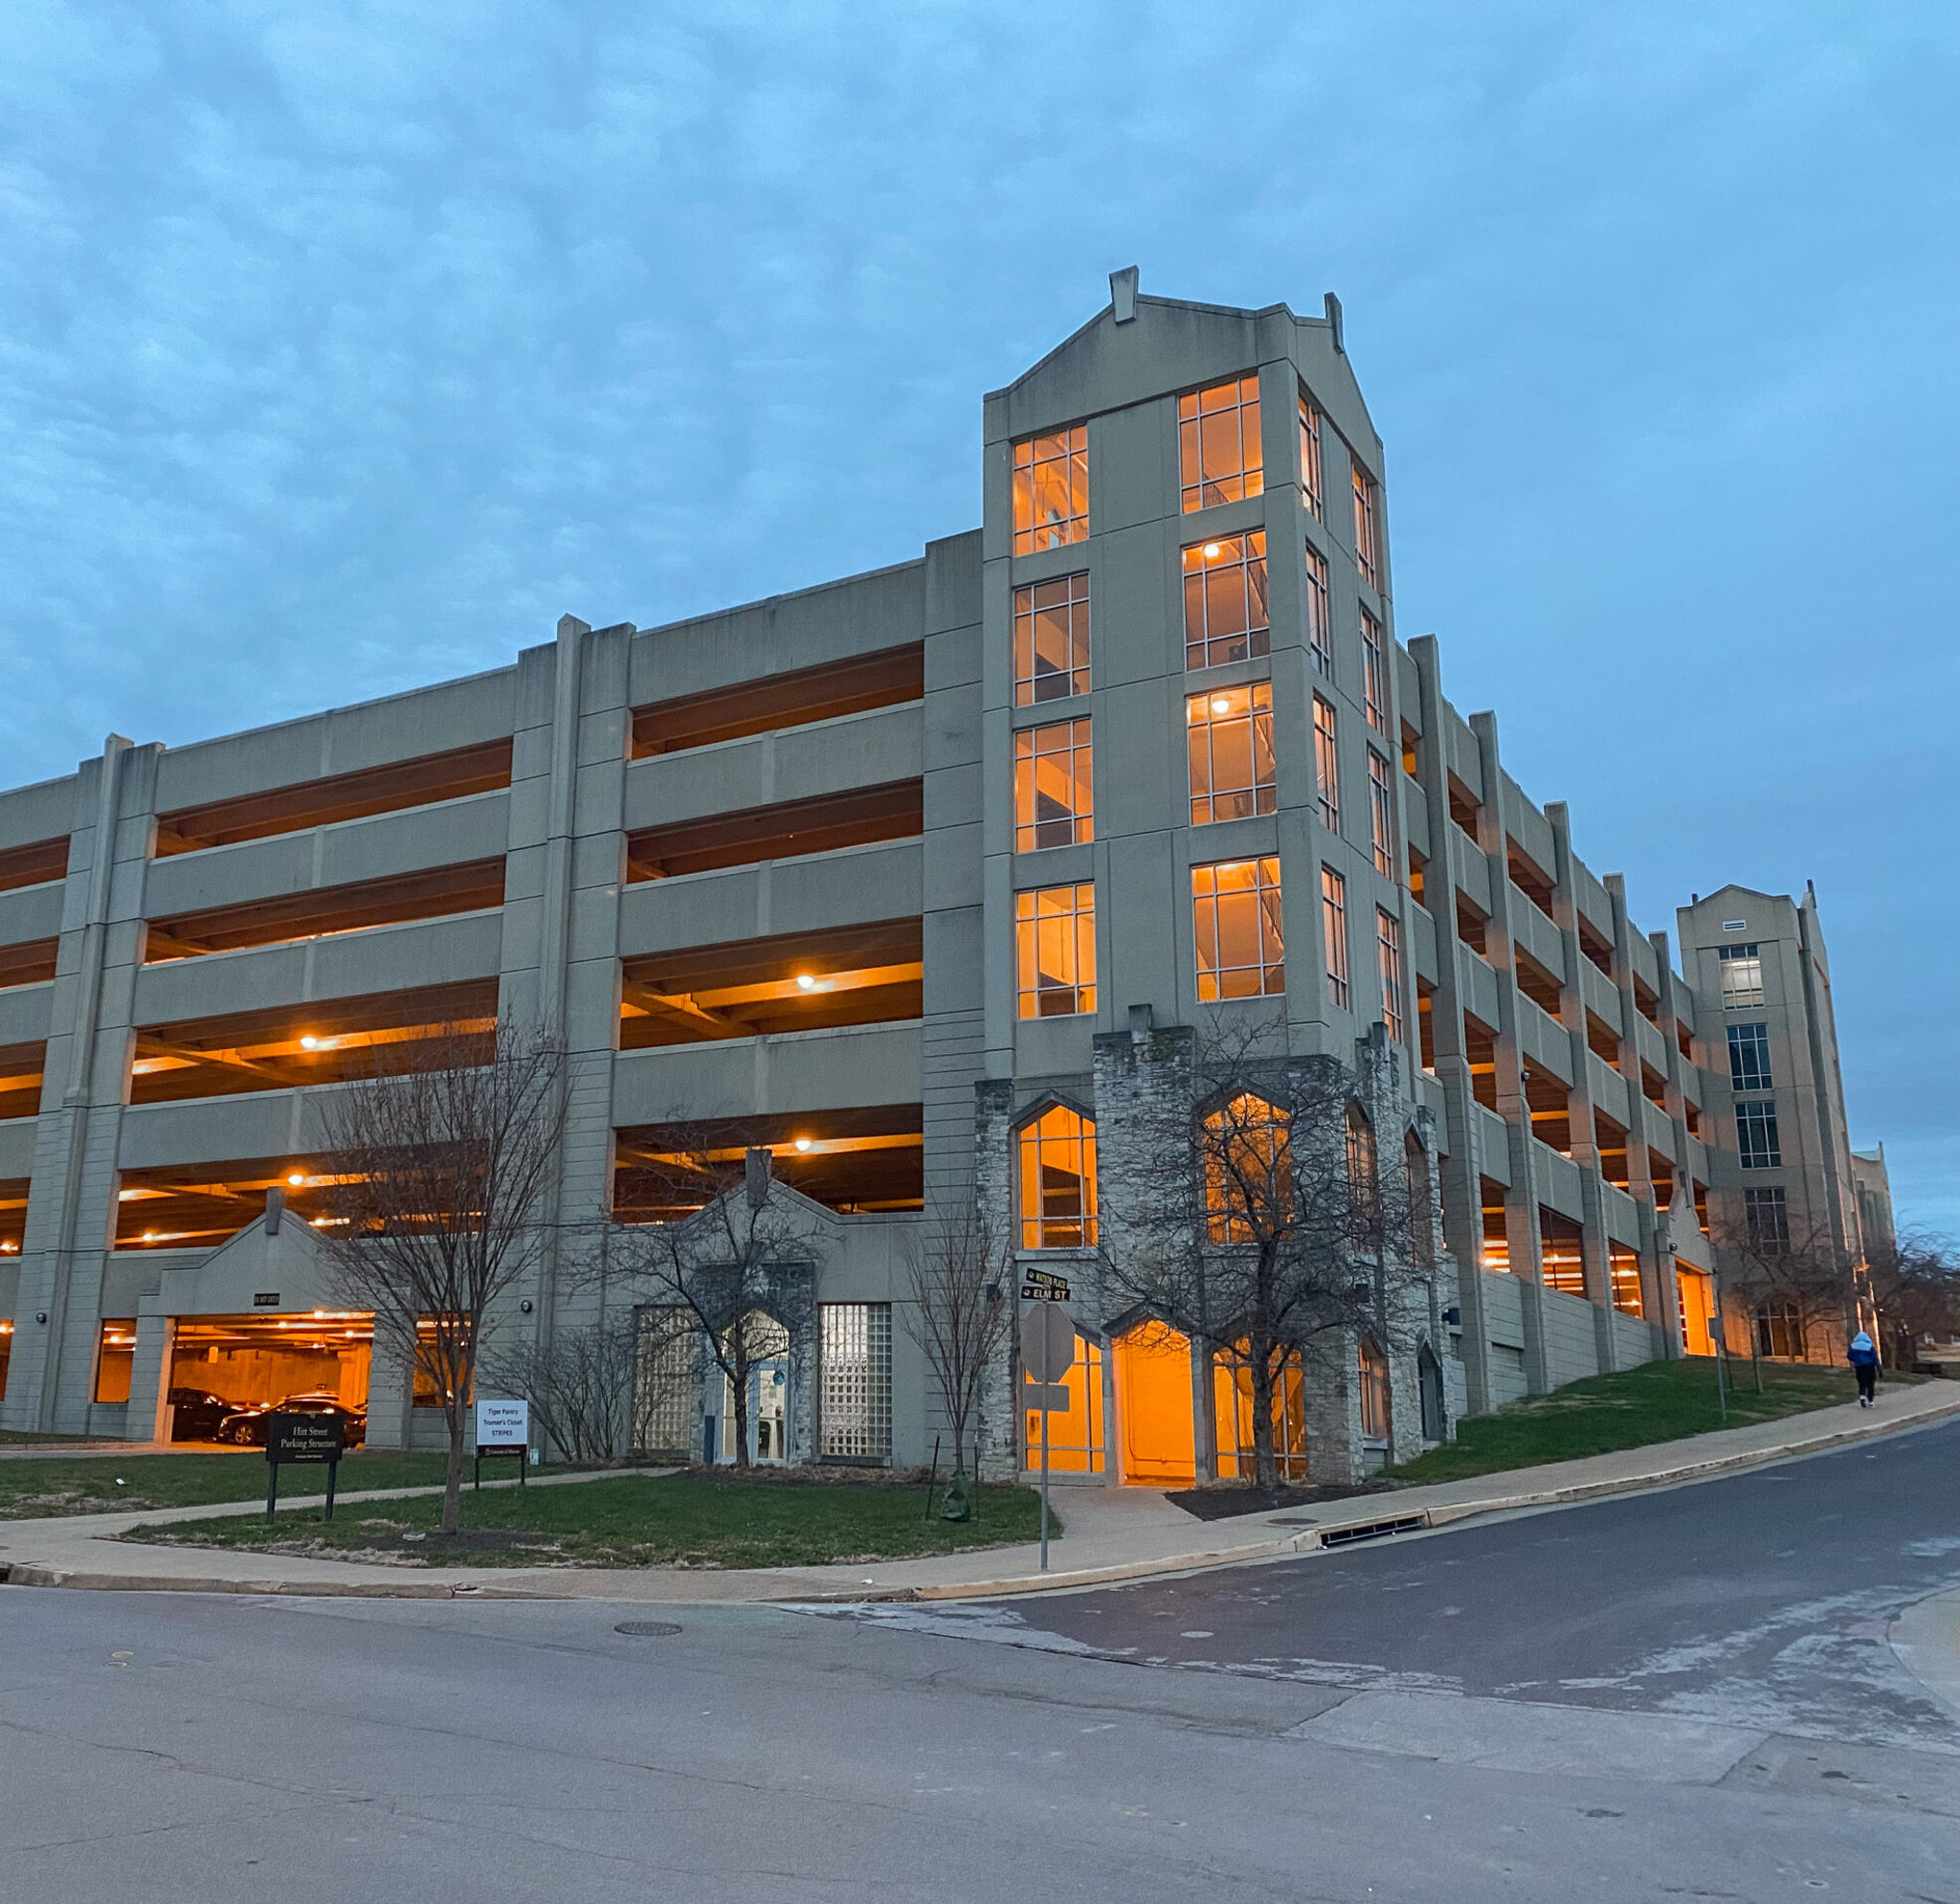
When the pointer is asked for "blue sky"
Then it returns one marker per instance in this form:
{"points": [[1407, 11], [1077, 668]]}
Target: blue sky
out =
{"points": [[343, 349]]}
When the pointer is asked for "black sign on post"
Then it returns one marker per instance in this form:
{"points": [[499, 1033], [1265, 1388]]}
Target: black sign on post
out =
{"points": [[305, 1439], [1043, 1286]]}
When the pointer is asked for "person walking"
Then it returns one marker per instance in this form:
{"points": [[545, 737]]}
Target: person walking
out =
{"points": [[1864, 1364]]}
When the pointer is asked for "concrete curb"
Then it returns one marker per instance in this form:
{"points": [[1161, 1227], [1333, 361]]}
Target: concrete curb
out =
{"points": [[1378, 1522]]}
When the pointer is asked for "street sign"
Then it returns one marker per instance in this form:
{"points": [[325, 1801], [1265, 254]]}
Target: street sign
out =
{"points": [[503, 1423], [503, 1432], [305, 1439], [1043, 1286], [1048, 1342]]}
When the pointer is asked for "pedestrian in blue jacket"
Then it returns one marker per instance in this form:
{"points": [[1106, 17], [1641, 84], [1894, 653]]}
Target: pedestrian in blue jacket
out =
{"points": [[1864, 1362]]}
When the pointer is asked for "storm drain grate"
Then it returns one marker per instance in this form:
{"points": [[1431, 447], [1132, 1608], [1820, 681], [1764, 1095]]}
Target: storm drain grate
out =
{"points": [[1371, 1529], [647, 1630]]}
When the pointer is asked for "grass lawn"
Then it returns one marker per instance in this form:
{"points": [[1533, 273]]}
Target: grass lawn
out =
{"points": [[1659, 1402], [637, 1520], [34, 1487]]}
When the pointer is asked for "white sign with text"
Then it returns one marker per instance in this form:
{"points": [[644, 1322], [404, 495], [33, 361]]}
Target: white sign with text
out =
{"points": [[504, 1424]]}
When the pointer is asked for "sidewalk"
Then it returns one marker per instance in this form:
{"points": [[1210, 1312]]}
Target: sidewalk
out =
{"points": [[1112, 1533]]}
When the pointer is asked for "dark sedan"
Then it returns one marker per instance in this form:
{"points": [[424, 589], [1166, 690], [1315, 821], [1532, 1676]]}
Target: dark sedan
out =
{"points": [[247, 1428], [197, 1414]]}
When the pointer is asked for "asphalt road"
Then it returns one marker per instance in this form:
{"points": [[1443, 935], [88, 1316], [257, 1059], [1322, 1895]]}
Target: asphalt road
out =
{"points": [[1667, 1696]]}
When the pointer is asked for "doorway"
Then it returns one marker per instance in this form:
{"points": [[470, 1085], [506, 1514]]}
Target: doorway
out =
{"points": [[769, 1396], [1697, 1297], [1153, 1405]]}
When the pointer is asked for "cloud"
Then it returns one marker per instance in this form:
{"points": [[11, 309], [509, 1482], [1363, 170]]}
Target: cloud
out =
{"points": [[343, 349]]}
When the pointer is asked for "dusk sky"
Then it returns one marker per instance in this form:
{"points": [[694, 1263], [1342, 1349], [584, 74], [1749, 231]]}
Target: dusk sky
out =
{"points": [[342, 350]]}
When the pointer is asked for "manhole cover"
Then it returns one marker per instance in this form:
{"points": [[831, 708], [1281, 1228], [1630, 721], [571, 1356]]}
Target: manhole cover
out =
{"points": [[647, 1630]]}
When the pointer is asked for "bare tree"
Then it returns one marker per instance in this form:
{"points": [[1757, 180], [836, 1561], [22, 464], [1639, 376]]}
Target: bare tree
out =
{"points": [[961, 1310], [1272, 1225], [438, 1201], [579, 1382], [1804, 1276], [1915, 1281], [729, 1259]]}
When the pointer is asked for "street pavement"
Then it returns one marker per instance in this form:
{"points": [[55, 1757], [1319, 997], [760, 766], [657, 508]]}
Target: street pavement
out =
{"points": [[1684, 1694]]}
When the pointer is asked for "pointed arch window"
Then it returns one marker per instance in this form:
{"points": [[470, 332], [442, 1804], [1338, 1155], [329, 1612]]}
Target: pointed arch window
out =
{"points": [[1057, 1167], [1376, 1402], [1248, 1161], [1421, 1203]]}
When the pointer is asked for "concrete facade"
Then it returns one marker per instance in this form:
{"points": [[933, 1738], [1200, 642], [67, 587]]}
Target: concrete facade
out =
{"points": [[1776, 1094], [598, 835]]}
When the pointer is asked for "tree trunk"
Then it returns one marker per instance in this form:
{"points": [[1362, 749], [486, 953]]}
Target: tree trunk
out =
{"points": [[1265, 1464], [452, 1478], [738, 1389]]}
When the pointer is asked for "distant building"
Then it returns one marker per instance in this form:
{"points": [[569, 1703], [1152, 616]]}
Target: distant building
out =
{"points": [[1784, 1170], [922, 880]]}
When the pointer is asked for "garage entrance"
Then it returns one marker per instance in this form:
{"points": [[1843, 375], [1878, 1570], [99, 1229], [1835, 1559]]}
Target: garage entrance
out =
{"points": [[224, 1364]]}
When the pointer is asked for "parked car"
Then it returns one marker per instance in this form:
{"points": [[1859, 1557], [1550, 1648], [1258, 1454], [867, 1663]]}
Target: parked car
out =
{"points": [[247, 1426], [197, 1414]]}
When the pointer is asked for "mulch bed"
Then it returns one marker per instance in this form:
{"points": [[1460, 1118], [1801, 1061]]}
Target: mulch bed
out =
{"points": [[1223, 1502]]}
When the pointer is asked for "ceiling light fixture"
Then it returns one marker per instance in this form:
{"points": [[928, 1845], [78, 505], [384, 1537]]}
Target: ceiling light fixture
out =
{"points": [[308, 1042], [807, 981], [1220, 704], [295, 1177], [1212, 550], [802, 1143]]}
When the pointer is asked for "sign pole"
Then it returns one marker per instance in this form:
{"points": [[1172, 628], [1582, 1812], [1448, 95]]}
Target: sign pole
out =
{"points": [[1044, 1480], [333, 1475], [271, 1489]]}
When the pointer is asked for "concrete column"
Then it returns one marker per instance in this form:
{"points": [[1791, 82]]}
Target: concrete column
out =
{"points": [[1683, 1209], [1459, 1168], [1580, 1106], [1521, 1204], [149, 1414], [72, 1202], [1655, 1259]]}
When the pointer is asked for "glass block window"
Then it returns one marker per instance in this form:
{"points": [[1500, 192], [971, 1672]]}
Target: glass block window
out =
{"points": [[1052, 641], [1054, 951], [1220, 459], [1235, 918], [1748, 1057], [1742, 978], [1054, 798], [1225, 614], [1756, 1135], [1230, 737], [665, 1379], [1052, 490], [855, 1402]]}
